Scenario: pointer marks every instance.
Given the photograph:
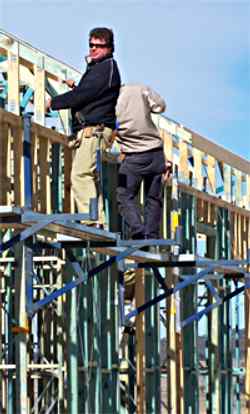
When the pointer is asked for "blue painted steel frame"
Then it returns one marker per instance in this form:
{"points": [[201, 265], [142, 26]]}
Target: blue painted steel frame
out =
{"points": [[71, 285], [204, 274], [44, 220], [41, 221]]}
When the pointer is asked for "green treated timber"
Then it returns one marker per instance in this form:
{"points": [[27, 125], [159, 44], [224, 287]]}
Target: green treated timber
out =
{"points": [[189, 300], [23, 255], [9, 302], [213, 393], [85, 300], [72, 346], [152, 351], [225, 354]]}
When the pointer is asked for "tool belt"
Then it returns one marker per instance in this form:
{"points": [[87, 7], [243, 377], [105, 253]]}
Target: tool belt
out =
{"points": [[88, 132]]}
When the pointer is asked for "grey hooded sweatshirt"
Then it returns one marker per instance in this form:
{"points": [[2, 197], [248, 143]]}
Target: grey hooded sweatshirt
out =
{"points": [[136, 130]]}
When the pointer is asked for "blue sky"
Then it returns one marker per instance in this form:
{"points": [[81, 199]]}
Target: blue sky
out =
{"points": [[195, 53]]}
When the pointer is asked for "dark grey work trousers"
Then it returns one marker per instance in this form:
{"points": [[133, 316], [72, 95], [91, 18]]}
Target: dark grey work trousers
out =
{"points": [[148, 166]]}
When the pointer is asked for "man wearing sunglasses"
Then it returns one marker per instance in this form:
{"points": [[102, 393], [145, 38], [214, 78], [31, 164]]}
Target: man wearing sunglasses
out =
{"points": [[92, 103]]}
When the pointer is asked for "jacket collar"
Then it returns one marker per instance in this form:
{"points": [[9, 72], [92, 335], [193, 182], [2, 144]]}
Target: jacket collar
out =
{"points": [[94, 62]]}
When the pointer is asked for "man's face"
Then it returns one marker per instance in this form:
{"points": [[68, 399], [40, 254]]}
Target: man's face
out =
{"points": [[98, 48]]}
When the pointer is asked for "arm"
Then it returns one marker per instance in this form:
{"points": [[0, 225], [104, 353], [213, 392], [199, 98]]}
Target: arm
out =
{"points": [[91, 85], [155, 101]]}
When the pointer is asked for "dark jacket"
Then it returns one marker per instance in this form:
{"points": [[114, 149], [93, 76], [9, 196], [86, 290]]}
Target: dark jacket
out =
{"points": [[94, 99]]}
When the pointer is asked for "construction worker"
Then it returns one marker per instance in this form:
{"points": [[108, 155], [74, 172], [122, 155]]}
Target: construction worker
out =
{"points": [[93, 103], [142, 159]]}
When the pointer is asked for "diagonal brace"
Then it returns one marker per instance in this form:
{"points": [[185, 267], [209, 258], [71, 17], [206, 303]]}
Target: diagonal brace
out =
{"points": [[203, 274], [82, 279]]}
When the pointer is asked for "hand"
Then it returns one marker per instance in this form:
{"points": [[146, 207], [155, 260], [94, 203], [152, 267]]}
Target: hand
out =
{"points": [[48, 105], [70, 83], [168, 171]]}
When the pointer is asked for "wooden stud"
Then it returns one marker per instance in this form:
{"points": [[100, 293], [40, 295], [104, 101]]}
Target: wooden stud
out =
{"points": [[200, 210], [35, 172], [183, 162], [44, 162], [13, 79], [64, 114], [239, 236], [5, 179], [167, 144], [39, 98], [247, 203], [238, 188], [211, 173], [68, 204], [198, 178], [227, 178], [18, 167]]}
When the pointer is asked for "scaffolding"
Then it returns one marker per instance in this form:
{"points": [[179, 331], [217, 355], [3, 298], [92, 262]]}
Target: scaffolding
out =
{"points": [[76, 334]]}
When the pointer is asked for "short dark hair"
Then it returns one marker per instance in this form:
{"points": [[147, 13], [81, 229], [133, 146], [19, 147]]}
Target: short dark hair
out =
{"points": [[103, 33]]}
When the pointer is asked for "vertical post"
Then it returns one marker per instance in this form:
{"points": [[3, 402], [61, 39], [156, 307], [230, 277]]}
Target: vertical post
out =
{"points": [[56, 196], [227, 178], [224, 252], [152, 351], [198, 178], [183, 163], [13, 79], [238, 193], [174, 336], [247, 204], [237, 352], [95, 357], [84, 334], [72, 347], [211, 173], [140, 348], [23, 281], [9, 300], [189, 300], [39, 98], [213, 346], [60, 339], [23, 258], [5, 147], [171, 348], [109, 340], [115, 339], [64, 114], [27, 167], [131, 371]]}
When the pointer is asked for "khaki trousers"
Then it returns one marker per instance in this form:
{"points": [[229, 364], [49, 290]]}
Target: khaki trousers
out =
{"points": [[84, 177]]}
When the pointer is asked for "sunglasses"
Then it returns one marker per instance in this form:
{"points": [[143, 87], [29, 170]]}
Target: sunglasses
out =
{"points": [[97, 45]]}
